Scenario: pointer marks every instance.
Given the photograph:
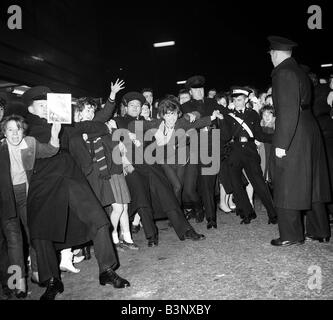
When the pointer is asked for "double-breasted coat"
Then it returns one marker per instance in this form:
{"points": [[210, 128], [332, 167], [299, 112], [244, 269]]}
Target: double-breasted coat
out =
{"points": [[301, 177]]}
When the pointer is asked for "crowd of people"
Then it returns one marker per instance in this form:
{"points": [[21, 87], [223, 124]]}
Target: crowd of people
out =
{"points": [[119, 168]]}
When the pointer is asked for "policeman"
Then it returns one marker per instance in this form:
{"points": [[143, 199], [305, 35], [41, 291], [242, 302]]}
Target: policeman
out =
{"points": [[300, 174], [193, 173], [242, 127]]}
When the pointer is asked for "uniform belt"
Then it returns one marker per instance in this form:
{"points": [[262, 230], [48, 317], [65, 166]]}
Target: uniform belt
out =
{"points": [[305, 107], [243, 139]]}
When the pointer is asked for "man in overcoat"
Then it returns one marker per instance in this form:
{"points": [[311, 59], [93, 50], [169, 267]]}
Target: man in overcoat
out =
{"points": [[299, 166], [62, 209]]}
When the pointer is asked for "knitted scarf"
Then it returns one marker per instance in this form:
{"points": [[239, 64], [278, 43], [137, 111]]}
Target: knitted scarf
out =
{"points": [[96, 149]]}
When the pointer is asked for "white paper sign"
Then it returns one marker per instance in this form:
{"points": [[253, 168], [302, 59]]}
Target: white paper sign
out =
{"points": [[59, 108]]}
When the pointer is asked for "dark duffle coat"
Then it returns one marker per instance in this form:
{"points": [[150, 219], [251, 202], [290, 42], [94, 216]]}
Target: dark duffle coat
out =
{"points": [[301, 177], [49, 214]]}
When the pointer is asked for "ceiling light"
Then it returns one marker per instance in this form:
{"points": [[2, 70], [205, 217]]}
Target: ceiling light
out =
{"points": [[164, 44]]}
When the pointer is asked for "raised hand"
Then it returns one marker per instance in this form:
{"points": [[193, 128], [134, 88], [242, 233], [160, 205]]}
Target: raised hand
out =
{"points": [[119, 85]]}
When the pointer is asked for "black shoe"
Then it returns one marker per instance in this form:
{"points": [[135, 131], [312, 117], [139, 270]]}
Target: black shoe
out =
{"points": [[309, 237], [7, 293], [273, 220], [211, 224], [54, 286], [278, 242], [20, 294], [86, 253], [153, 242], [247, 220], [111, 277], [135, 229], [191, 234]]}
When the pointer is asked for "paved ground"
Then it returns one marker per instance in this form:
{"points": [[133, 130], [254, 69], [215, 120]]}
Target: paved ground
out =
{"points": [[234, 262]]}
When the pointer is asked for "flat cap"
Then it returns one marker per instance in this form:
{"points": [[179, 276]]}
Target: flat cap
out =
{"points": [[237, 91], [280, 43], [35, 93], [134, 95], [195, 82]]}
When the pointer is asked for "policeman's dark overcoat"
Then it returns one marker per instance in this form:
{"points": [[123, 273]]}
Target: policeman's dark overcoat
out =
{"points": [[301, 177]]}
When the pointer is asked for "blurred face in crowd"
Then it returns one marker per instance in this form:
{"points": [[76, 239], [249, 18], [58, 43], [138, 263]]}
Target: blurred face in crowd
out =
{"points": [[39, 108], [269, 100], [211, 94], [222, 102], [134, 108], [88, 113], [331, 83], [149, 96], [13, 133], [262, 98], [170, 118], [197, 93], [145, 111], [240, 102], [269, 91], [184, 97], [267, 116]]}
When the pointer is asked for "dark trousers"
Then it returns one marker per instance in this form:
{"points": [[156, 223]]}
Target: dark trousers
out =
{"points": [[148, 224], [175, 174], [12, 242], [207, 185], [4, 262], [190, 196], [141, 203], [48, 264], [291, 226], [254, 173], [178, 221], [21, 207]]}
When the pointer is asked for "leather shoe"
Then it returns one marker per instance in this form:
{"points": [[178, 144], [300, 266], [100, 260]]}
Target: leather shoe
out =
{"points": [[191, 234], [309, 237], [211, 224], [273, 220], [280, 243], [135, 229], [247, 220], [153, 242], [129, 245], [54, 286], [111, 277], [7, 293]]}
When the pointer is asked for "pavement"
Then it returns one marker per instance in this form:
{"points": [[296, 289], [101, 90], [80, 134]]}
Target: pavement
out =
{"points": [[234, 262]]}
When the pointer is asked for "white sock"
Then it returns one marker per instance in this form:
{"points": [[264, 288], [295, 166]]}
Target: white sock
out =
{"points": [[127, 237], [115, 237]]}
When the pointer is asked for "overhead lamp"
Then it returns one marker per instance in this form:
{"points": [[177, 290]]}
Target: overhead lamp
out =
{"points": [[181, 82], [37, 58], [327, 65], [164, 44]]}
